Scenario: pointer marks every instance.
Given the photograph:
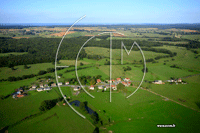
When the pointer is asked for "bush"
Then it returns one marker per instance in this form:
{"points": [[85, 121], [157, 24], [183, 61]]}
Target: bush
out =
{"points": [[42, 72]]}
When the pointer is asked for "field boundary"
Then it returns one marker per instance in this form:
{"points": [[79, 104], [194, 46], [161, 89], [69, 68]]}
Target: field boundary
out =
{"points": [[171, 100]]}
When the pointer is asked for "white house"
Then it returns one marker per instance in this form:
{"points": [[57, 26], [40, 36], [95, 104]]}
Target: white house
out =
{"points": [[119, 79], [39, 89], [109, 81], [91, 87], [158, 82], [47, 88], [41, 86], [58, 76], [34, 86], [60, 83], [114, 87], [53, 85], [127, 79], [46, 85], [100, 87], [76, 88]]}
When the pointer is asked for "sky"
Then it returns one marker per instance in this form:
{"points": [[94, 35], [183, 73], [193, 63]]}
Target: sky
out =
{"points": [[100, 11]]}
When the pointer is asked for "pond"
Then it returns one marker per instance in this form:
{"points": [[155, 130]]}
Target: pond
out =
{"points": [[77, 103]]}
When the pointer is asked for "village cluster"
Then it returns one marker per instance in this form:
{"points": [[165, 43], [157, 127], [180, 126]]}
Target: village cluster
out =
{"points": [[170, 81], [104, 85], [101, 85]]}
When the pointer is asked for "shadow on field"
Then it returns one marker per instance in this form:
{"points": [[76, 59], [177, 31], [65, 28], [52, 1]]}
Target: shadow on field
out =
{"points": [[198, 104]]}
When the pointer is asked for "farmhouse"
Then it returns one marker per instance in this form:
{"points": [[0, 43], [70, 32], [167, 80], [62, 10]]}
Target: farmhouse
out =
{"points": [[66, 83], [170, 80], [107, 86], [127, 79], [114, 87], [119, 79], [47, 88], [53, 85], [158, 82], [60, 83], [129, 83], [91, 87], [100, 87], [34, 86], [40, 89], [76, 88], [109, 81], [41, 85], [124, 83], [20, 95], [58, 76], [179, 80], [98, 81], [46, 85]]}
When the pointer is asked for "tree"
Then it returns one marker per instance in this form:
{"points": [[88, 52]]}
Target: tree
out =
{"points": [[41, 72], [81, 64], [11, 65], [146, 70], [92, 82], [96, 130], [25, 67], [107, 63], [120, 86], [95, 117], [82, 106]]}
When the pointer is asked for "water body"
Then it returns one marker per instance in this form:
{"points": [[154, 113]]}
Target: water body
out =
{"points": [[77, 103]]}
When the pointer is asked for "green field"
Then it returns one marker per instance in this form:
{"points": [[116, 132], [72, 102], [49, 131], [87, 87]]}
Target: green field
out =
{"points": [[191, 37], [29, 105], [145, 110]]}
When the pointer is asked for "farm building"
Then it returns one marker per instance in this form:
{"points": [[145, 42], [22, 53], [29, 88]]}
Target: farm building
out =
{"points": [[60, 83], [91, 87], [46, 85], [66, 83], [158, 82], [119, 79], [76, 88], [47, 88], [127, 79], [100, 87], [109, 81], [39, 89], [34, 86], [124, 83], [41, 85], [114, 87], [98, 81], [53, 85], [179, 80]]}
